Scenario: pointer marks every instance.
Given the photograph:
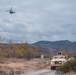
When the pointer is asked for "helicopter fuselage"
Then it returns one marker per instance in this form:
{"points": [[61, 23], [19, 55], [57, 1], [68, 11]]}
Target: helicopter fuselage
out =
{"points": [[11, 11]]}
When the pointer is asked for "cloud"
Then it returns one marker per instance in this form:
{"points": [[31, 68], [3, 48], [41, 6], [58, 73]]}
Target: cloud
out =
{"points": [[37, 20]]}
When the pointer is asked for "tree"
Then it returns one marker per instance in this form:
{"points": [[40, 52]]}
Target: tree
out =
{"points": [[22, 50]]}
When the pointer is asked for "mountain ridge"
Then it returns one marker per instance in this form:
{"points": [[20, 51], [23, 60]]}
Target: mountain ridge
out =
{"points": [[57, 45]]}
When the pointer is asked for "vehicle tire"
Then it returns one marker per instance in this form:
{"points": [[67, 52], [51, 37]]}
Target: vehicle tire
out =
{"points": [[52, 67]]}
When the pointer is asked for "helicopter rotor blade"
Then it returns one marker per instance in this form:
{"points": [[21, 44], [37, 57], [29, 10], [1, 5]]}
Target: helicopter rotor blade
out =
{"points": [[6, 10], [14, 12], [11, 8]]}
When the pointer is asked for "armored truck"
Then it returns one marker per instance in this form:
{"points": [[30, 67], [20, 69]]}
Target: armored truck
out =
{"points": [[57, 60]]}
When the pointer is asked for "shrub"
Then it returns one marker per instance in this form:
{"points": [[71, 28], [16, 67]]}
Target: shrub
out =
{"points": [[68, 66], [75, 57]]}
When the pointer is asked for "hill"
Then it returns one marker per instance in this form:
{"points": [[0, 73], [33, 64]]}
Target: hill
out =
{"points": [[56, 45]]}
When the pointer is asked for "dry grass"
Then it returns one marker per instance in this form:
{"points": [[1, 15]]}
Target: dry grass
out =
{"points": [[18, 66]]}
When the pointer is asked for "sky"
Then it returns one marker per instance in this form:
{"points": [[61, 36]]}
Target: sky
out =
{"points": [[37, 20]]}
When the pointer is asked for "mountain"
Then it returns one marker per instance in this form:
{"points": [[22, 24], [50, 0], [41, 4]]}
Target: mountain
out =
{"points": [[56, 45]]}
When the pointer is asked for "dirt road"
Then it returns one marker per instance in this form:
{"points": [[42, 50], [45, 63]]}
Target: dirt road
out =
{"points": [[42, 72]]}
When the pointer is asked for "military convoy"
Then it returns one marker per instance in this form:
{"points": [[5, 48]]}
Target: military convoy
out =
{"points": [[57, 60]]}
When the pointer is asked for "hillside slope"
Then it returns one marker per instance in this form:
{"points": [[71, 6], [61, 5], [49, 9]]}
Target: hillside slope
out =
{"points": [[57, 45]]}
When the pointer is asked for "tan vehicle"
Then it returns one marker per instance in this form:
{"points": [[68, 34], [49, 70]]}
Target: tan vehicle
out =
{"points": [[58, 60]]}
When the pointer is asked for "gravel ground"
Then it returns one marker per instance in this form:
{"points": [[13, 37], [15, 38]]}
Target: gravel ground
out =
{"points": [[42, 72]]}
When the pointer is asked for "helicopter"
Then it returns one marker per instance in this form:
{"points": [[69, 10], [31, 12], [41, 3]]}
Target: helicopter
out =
{"points": [[10, 11]]}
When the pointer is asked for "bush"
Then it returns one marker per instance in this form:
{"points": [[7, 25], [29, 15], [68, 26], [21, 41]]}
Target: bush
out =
{"points": [[68, 66], [75, 57]]}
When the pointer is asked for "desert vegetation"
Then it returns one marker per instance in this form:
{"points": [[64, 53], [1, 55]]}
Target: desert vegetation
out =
{"points": [[21, 50], [69, 66]]}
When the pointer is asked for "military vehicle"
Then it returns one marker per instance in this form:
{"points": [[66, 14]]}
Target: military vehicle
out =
{"points": [[58, 60]]}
